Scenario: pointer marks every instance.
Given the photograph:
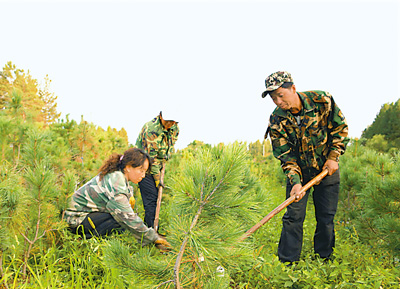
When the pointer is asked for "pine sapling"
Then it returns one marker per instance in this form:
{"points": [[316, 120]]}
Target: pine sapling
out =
{"points": [[42, 192], [211, 198]]}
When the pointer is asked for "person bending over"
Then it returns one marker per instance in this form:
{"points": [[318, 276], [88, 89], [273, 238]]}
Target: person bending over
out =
{"points": [[308, 134], [102, 204]]}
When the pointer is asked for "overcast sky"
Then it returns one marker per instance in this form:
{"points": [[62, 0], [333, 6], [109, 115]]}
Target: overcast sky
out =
{"points": [[203, 63]]}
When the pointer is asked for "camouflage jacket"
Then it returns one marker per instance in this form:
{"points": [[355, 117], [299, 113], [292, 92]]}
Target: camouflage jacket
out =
{"points": [[157, 142], [321, 135], [110, 195]]}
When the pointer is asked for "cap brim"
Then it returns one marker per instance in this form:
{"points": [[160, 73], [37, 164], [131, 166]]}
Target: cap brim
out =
{"points": [[264, 94]]}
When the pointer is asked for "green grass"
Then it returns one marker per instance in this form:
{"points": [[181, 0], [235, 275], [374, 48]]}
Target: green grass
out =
{"points": [[355, 265], [66, 261]]}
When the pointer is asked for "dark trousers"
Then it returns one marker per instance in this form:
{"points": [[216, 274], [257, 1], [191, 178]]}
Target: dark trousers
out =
{"points": [[104, 224], [325, 197], [149, 194]]}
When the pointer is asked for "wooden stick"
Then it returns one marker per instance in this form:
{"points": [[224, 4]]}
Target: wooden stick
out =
{"points": [[160, 190], [286, 203], [183, 247]]}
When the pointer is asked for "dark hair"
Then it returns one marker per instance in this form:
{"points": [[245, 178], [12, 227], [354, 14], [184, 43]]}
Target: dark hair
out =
{"points": [[287, 85], [284, 85], [116, 162]]}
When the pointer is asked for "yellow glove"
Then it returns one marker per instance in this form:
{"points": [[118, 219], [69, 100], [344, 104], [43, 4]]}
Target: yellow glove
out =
{"points": [[162, 244], [132, 202], [157, 183]]}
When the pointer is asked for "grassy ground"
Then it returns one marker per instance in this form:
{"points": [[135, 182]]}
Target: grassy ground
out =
{"points": [[67, 261], [355, 265]]}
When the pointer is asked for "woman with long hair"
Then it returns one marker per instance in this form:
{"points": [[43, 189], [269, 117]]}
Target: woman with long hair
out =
{"points": [[102, 204]]}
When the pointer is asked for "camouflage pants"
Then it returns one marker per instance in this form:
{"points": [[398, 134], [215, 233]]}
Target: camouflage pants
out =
{"points": [[325, 199]]}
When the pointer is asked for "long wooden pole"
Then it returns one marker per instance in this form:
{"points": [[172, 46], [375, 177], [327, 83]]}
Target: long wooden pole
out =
{"points": [[286, 203], [160, 191]]}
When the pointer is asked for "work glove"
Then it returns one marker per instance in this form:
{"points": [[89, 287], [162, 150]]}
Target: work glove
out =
{"points": [[132, 202], [158, 183], [162, 244]]}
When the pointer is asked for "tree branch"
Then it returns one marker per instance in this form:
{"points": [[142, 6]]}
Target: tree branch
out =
{"points": [[163, 283]]}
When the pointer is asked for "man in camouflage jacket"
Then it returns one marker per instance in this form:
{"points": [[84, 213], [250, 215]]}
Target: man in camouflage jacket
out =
{"points": [[157, 138], [308, 134]]}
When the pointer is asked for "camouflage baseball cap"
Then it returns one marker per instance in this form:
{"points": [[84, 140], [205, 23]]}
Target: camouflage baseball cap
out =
{"points": [[275, 80]]}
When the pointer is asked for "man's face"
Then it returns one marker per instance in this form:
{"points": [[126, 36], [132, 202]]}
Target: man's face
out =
{"points": [[284, 97]]}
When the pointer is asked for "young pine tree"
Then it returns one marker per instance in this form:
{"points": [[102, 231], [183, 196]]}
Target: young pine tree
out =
{"points": [[11, 211], [41, 215], [370, 187], [215, 201], [379, 220]]}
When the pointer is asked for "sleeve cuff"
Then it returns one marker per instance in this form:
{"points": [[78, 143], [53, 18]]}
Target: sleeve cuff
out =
{"points": [[156, 177], [294, 179], [334, 155]]}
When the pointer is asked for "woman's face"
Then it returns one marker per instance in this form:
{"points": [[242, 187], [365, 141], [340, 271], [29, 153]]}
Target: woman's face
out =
{"points": [[135, 175]]}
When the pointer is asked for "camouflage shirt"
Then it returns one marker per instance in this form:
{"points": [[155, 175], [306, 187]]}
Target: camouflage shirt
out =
{"points": [[321, 135], [157, 142], [109, 195]]}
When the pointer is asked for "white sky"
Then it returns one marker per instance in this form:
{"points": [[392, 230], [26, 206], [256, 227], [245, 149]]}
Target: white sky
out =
{"points": [[203, 63]]}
